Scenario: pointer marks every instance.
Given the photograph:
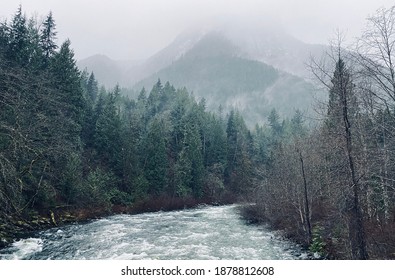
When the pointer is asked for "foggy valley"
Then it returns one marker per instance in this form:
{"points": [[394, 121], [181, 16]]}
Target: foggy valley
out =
{"points": [[262, 130]]}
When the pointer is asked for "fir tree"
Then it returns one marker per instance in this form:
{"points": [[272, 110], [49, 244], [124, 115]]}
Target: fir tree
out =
{"points": [[66, 77], [155, 162], [18, 39], [48, 36], [92, 88]]}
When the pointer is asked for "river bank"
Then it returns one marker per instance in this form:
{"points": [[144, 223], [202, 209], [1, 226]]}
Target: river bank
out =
{"points": [[14, 227], [254, 215]]}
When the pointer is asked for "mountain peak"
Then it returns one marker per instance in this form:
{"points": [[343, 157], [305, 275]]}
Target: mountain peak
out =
{"points": [[252, 39], [213, 43]]}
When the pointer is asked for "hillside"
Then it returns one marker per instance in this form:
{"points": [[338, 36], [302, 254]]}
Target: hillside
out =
{"points": [[212, 69], [108, 71], [251, 67]]}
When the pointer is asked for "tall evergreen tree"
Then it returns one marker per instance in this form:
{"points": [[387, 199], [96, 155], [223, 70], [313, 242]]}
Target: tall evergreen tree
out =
{"points": [[341, 113], [48, 36], [238, 169], [66, 77], [92, 88], [216, 145], [155, 98], [18, 39], [193, 161], [275, 125], [34, 50], [155, 161], [297, 124], [107, 135]]}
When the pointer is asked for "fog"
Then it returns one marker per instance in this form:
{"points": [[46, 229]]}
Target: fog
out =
{"points": [[136, 29]]}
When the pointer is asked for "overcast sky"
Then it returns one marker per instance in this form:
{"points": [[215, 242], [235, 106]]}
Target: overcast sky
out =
{"points": [[136, 29]]}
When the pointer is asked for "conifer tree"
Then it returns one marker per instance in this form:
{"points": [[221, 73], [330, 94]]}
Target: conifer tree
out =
{"points": [[35, 52], [107, 135], [18, 39], [341, 114], [192, 150], [92, 88], [66, 77], [155, 161], [238, 169], [48, 36], [297, 124], [216, 146], [154, 99], [275, 125]]}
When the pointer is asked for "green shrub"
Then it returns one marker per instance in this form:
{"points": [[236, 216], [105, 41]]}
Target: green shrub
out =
{"points": [[96, 190], [317, 242], [118, 197]]}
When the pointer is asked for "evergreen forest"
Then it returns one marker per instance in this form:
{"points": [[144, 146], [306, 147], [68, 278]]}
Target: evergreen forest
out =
{"points": [[71, 149]]}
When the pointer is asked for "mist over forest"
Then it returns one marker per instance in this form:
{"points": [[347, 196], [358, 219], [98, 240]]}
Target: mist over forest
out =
{"points": [[300, 134]]}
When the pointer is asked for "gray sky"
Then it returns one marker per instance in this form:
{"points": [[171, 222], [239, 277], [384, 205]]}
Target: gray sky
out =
{"points": [[136, 29]]}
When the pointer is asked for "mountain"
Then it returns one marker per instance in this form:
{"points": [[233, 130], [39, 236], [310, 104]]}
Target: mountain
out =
{"points": [[214, 69], [128, 72], [108, 71], [269, 43], [182, 44], [250, 66], [255, 39]]}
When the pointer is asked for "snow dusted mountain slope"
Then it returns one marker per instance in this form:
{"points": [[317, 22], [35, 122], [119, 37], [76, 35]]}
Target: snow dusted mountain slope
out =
{"points": [[246, 65], [127, 73], [270, 44], [182, 44], [216, 69], [254, 40]]}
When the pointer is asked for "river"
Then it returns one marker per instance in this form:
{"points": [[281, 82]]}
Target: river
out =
{"points": [[203, 233]]}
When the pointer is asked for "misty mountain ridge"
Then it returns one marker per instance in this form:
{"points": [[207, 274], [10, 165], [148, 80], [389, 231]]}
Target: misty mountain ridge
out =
{"points": [[274, 47], [128, 73], [256, 40], [251, 69], [109, 72]]}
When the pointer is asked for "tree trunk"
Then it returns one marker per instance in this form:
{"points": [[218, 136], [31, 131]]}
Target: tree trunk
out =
{"points": [[306, 199], [356, 229]]}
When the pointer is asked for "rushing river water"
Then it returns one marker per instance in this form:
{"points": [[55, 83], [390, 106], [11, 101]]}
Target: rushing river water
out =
{"points": [[202, 233]]}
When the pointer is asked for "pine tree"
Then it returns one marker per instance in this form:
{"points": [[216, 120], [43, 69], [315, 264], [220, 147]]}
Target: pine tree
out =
{"points": [[341, 113], [192, 150], [214, 156], [216, 143], [154, 99], [92, 88], [48, 37], [275, 125], [34, 50], [107, 136], [342, 91], [238, 169], [66, 78], [132, 132], [297, 124], [142, 96], [155, 162], [18, 39]]}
